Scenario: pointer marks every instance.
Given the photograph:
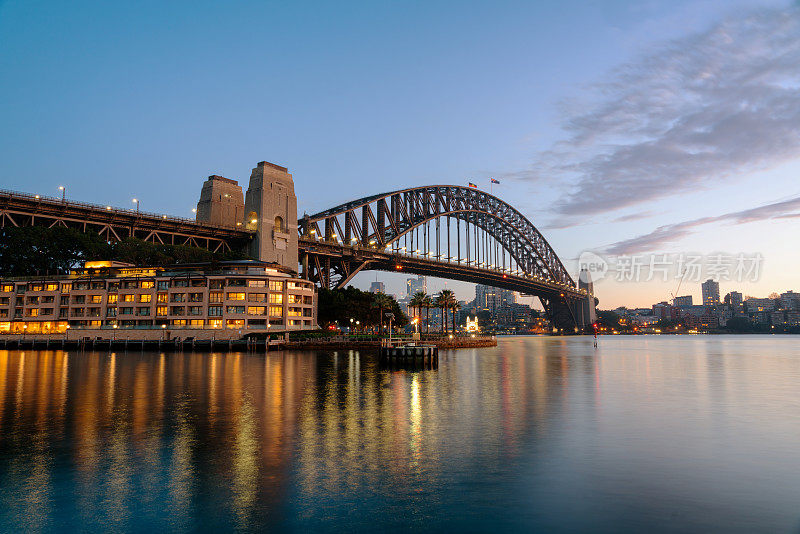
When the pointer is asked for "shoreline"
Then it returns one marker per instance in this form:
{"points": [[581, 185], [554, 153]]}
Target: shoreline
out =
{"points": [[230, 345]]}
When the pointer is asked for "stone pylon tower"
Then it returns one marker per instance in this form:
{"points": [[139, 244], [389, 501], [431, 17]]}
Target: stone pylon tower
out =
{"points": [[221, 202], [270, 209]]}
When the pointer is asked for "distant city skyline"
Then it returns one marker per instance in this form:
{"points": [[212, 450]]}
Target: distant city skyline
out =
{"points": [[618, 128]]}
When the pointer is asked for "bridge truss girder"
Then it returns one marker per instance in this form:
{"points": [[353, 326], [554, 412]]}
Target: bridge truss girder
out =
{"points": [[20, 210], [385, 219], [333, 265]]}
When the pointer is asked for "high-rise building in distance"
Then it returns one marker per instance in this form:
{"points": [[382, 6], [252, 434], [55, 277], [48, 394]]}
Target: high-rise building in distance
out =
{"points": [[685, 300], [710, 292], [377, 287], [413, 285], [491, 298]]}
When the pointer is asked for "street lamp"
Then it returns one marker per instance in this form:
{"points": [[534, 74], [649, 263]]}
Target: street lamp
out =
{"points": [[63, 190], [136, 201], [390, 315]]}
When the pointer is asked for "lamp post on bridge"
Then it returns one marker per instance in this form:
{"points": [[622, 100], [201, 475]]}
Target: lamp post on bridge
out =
{"points": [[136, 201], [63, 190]]}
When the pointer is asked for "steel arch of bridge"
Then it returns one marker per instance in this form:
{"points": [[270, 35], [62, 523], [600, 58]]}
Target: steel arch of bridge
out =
{"points": [[381, 221]]}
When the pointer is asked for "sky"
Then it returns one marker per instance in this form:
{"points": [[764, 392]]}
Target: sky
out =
{"points": [[653, 133]]}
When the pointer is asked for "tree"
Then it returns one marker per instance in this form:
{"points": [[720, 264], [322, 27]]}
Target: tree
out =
{"points": [[446, 299], [417, 302], [382, 301], [428, 303], [739, 324], [341, 305], [455, 307], [439, 303]]}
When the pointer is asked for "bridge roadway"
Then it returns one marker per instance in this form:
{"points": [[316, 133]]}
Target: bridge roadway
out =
{"points": [[115, 224], [350, 260]]}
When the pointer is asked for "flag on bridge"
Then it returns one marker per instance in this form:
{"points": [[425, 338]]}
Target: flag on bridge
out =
{"points": [[494, 181], [473, 185]]}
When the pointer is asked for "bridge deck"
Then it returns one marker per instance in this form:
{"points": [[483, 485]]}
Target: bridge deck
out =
{"points": [[23, 209], [367, 258]]}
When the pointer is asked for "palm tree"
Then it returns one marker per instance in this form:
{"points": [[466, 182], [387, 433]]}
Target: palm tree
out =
{"points": [[428, 305], [446, 299], [417, 301], [382, 301], [440, 304], [455, 307]]}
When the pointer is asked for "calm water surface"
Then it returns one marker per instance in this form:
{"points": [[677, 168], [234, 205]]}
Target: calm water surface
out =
{"points": [[690, 434]]}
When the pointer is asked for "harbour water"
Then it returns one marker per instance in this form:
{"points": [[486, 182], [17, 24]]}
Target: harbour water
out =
{"points": [[646, 433]]}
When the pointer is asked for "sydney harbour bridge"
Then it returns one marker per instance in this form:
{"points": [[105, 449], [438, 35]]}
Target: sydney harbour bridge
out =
{"points": [[446, 231]]}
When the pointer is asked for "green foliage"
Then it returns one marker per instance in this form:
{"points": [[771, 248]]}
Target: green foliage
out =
{"points": [[350, 303], [37, 250], [609, 319], [739, 325]]}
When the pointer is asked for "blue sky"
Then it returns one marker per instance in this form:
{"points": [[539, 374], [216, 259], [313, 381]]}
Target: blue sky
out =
{"points": [[587, 112]]}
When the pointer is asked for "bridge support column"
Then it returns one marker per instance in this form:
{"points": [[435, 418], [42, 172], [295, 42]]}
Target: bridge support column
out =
{"points": [[570, 315], [271, 210]]}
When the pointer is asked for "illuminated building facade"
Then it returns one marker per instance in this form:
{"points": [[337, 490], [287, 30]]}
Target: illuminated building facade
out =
{"points": [[710, 289], [199, 300]]}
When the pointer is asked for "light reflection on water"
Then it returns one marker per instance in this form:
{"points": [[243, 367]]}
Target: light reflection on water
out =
{"points": [[645, 433]]}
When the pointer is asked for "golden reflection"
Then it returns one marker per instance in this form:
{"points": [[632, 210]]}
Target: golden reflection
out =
{"points": [[245, 464], [236, 428], [415, 417], [3, 387], [182, 472]]}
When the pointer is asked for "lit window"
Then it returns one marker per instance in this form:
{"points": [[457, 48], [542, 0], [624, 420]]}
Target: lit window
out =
{"points": [[196, 322], [147, 284], [161, 311], [276, 311], [96, 299], [112, 298], [256, 283], [145, 298], [276, 298], [235, 323], [128, 298], [275, 285], [255, 310], [161, 297], [235, 296]]}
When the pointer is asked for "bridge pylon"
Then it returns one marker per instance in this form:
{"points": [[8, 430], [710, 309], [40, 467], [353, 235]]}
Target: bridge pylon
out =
{"points": [[270, 209]]}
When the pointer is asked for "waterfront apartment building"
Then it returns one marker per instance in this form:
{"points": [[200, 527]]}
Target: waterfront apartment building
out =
{"points": [[710, 292], [224, 300], [734, 300], [685, 300]]}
